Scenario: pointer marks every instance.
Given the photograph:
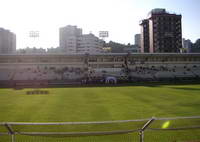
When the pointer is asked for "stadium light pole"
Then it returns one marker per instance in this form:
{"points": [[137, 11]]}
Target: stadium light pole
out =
{"points": [[103, 34], [34, 35]]}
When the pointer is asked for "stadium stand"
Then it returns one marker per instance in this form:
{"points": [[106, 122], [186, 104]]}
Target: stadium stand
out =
{"points": [[73, 69]]}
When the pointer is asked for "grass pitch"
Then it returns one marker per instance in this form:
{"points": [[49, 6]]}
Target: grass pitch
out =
{"points": [[100, 103]]}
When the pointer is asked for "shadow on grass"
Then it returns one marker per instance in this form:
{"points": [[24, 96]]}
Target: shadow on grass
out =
{"points": [[145, 84], [186, 88]]}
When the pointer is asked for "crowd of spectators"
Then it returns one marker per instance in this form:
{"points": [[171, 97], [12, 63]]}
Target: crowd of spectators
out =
{"points": [[81, 74], [42, 73]]}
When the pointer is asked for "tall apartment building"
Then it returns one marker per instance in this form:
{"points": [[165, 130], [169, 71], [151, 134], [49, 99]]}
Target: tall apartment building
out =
{"points": [[7, 41], [137, 42], [138, 39], [89, 43], [187, 45], [163, 30], [144, 36], [69, 37], [72, 41]]}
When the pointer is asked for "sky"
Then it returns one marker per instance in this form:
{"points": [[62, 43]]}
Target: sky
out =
{"points": [[119, 17]]}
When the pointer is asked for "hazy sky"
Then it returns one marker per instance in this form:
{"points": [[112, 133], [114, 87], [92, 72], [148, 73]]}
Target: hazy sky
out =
{"points": [[119, 17]]}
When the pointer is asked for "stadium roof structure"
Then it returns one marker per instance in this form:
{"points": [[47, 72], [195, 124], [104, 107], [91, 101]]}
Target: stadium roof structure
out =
{"points": [[104, 54]]}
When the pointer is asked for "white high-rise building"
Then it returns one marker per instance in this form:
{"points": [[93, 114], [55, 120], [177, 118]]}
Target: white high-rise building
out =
{"points": [[72, 41], [69, 38], [7, 42]]}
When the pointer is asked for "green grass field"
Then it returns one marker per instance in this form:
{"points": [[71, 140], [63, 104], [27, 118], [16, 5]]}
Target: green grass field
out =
{"points": [[101, 104]]}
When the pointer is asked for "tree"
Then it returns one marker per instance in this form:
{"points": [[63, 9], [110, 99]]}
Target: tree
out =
{"points": [[196, 46], [117, 47]]}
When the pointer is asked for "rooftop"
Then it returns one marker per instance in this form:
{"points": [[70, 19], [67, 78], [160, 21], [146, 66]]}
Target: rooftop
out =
{"points": [[160, 11]]}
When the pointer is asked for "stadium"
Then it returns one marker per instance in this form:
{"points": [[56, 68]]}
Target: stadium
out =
{"points": [[110, 68], [134, 97]]}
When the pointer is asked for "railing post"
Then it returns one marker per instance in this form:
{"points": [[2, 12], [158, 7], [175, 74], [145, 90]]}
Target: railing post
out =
{"points": [[11, 132], [141, 133], [13, 138]]}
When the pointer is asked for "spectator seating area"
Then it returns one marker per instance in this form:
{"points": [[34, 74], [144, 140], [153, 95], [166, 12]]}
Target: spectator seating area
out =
{"points": [[166, 71], [6, 74], [42, 73], [64, 73]]}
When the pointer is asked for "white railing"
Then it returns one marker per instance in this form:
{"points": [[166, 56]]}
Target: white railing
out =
{"points": [[124, 126]]}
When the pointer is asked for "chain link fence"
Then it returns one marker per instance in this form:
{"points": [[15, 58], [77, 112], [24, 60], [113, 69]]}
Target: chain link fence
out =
{"points": [[176, 129]]}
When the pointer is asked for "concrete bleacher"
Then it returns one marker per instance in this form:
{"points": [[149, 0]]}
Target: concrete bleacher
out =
{"points": [[167, 71], [6, 74], [196, 70], [33, 73], [60, 73], [164, 74]]}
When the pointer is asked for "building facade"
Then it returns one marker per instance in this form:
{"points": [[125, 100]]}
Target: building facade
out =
{"points": [[72, 41], [137, 45], [144, 36], [69, 37], [138, 40], [89, 43], [187, 45], [164, 32], [7, 41]]}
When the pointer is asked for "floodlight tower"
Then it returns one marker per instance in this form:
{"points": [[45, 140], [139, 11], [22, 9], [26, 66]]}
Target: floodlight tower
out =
{"points": [[34, 35], [103, 34]]}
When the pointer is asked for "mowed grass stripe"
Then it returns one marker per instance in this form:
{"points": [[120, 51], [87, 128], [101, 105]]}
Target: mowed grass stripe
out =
{"points": [[100, 103]]}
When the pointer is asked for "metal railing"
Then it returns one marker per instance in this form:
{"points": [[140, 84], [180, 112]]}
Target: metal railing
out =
{"points": [[139, 126]]}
